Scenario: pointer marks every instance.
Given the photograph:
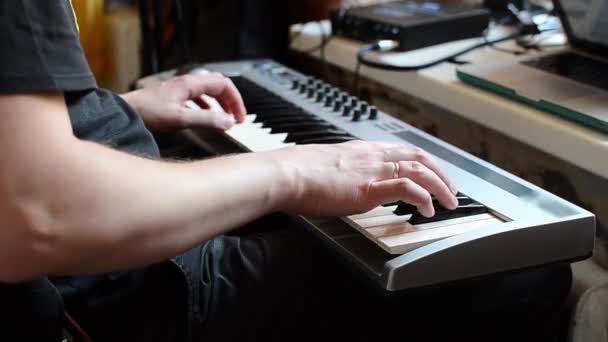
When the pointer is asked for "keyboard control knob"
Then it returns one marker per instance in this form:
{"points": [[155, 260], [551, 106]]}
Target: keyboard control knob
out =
{"points": [[337, 106], [295, 85], [356, 115], [302, 88], [373, 113], [311, 93], [328, 101], [346, 110], [364, 107], [320, 97]]}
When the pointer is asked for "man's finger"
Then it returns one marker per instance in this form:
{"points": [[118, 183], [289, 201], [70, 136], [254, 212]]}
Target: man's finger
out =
{"points": [[429, 180], [219, 87], [402, 189], [396, 153], [206, 118]]}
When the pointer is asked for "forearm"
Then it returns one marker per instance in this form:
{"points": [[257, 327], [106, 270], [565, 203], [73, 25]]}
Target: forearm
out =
{"points": [[132, 98], [116, 211]]}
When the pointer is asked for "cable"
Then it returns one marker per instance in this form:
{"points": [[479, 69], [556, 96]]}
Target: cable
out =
{"points": [[375, 47], [325, 38], [387, 45], [527, 27]]}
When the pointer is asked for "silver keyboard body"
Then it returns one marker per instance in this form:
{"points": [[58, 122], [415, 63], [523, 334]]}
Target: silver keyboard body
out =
{"points": [[541, 228]]}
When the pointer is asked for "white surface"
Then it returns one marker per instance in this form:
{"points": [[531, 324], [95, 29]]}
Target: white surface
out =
{"points": [[583, 147]]}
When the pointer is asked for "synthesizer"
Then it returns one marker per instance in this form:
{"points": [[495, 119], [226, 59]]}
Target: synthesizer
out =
{"points": [[503, 223], [414, 24]]}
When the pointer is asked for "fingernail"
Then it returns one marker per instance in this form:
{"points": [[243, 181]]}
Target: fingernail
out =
{"points": [[229, 121], [427, 211], [454, 190], [454, 203]]}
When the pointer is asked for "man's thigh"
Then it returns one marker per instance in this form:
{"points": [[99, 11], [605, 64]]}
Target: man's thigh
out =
{"points": [[273, 280]]}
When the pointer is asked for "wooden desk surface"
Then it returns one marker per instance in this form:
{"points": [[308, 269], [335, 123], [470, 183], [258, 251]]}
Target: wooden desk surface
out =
{"points": [[439, 85]]}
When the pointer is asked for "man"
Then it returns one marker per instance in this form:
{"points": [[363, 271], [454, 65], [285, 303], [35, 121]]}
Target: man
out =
{"points": [[136, 248]]}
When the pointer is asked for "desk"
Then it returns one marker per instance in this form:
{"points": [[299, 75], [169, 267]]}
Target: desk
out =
{"points": [[439, 85], [561, 156]]}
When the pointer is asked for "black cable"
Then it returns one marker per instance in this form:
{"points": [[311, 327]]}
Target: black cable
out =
{"points": [[293, 37], [356, 80], [321, 46], [505, 50]]}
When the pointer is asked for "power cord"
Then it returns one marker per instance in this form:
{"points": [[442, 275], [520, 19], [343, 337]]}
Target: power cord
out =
{"points": [[325, 37]]}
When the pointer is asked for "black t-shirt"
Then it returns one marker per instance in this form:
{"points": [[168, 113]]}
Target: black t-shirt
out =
{"points": [[40, 52]]}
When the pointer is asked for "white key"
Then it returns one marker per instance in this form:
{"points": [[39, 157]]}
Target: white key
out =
{"points": [[256, 138], [382, 220], [399, 242], [406, 227], [251, 136], [378, 211], [249, 133]]}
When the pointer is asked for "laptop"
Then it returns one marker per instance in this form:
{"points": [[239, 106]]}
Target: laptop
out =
{"points": [[571, 83]]}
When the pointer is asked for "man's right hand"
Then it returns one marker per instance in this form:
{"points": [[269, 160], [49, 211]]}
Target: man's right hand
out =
{"points": [[357, 176]]}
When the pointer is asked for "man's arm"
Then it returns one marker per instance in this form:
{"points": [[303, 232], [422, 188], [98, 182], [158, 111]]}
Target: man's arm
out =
{"points": [[70, 207]]}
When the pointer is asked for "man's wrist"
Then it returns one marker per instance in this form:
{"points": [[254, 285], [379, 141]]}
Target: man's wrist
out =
{"points": [[131, 99], [286, 189]]}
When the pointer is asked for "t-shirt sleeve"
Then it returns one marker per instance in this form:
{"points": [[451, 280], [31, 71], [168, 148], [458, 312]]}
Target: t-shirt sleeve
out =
{"points": [[40, 48]]}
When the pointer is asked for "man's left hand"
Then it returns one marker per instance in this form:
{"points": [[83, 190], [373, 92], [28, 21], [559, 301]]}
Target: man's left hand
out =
{"points": [[163, 106]]}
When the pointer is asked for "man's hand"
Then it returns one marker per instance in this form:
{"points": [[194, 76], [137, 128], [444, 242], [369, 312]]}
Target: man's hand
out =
{"points": [[163, 107], [355, 177], [122, 211]]}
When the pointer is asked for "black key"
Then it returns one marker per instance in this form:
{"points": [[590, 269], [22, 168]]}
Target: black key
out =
{"points": [[268, 118], [287, 119], [333, 140], [461, 211], [283, 123], [464, 200], [270, 107], [299, 127], [404, 209], [300, 136], [373, 113], [260, 116]]}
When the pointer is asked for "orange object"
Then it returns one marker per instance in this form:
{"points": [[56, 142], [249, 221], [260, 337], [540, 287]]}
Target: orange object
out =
{"points": [[94, 37]]}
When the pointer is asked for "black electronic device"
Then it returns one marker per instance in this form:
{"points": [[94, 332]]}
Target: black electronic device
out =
{"points": [[413, 23]]}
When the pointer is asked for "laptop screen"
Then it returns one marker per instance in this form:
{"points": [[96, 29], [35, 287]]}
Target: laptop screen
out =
{"points": [[586, 21]]}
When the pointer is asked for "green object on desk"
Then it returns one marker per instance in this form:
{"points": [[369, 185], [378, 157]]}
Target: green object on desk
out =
{"points": [[543, 105]]}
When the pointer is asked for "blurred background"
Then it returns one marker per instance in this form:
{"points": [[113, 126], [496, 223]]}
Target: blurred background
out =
{"points": [[127, 39]]}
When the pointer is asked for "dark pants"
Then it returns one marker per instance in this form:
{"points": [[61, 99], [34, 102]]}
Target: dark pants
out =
{"points": [[273, 281], [32, 311]]}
